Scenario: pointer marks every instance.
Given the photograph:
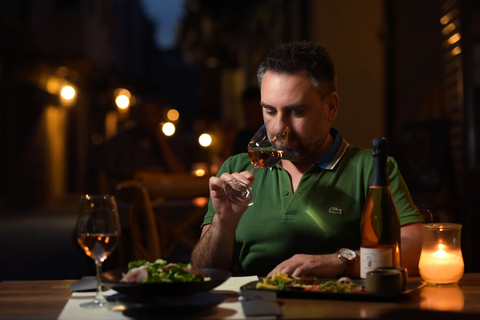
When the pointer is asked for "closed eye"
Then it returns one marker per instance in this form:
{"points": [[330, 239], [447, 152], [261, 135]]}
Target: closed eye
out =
{"points": [[297, 109], [297, 112], [270, 110]]}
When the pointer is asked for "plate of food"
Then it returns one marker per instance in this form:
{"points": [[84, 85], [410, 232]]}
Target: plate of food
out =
{"points": [[141, 306], [320, 288], [161, 278]]}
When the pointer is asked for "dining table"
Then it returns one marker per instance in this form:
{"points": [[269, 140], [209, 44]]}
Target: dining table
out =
{"points": [[53, 299]]}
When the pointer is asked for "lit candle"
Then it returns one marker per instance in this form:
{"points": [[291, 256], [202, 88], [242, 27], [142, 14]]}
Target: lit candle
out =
{"points": [[441, 266]]}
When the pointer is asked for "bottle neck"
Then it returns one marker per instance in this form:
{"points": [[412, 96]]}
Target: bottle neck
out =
{"points": [[379, 174]]}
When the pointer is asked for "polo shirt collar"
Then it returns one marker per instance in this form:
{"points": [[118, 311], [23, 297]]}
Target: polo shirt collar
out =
{"points": [[331, 158]]}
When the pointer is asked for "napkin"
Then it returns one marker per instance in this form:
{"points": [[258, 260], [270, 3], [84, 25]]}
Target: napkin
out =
{"points": [[233, 284], [73, 311]]}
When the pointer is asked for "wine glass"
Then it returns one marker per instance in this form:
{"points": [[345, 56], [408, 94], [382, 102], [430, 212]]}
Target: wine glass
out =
{"points": [[265, 149], [98, 233]]}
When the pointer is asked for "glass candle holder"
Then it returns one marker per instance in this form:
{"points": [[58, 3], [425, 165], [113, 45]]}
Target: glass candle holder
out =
{"points": [[441, 260]]}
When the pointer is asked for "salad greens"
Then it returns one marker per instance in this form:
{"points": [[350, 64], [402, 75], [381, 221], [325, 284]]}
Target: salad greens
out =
{"points": [[162, 271], [277, 282]]}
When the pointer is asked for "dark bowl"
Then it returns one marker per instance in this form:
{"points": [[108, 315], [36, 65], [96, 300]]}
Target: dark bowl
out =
{"points": [[112, 280]]}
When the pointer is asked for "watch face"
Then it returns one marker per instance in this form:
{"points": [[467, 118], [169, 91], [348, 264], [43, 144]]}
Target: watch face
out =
{"points": [[348, 254]]}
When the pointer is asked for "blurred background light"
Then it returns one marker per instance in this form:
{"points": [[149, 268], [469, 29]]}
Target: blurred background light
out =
{"points": [[454, 38], [168, 129], [67, 92], [122, 92], [111, 122], [456, 51], [123, 98], [122, 102], [173, 115], [53, 84], [200, 201], [449, 28], [199, 172], [199, 169], [205, 140], [446, 19]]}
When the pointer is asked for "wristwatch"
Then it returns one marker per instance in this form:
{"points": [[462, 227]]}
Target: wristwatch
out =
{"points": [[349, 256]]}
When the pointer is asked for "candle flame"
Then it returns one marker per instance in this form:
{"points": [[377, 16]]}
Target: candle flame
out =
{"points": [[441, 253]]}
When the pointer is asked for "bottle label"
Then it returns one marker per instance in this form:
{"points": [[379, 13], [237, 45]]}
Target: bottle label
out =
{"points": [[371, 258]]}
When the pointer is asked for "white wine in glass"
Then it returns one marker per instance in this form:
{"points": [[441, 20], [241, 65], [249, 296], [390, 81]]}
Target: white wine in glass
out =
{"points": [[265, 149], [98, 233]]}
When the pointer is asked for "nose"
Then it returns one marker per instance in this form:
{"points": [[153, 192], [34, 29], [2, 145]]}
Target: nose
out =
{"points": [[280, 125], [278, 128]]}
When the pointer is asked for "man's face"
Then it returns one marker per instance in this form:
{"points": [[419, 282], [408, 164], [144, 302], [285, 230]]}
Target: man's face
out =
{"points": [[291, 100]]}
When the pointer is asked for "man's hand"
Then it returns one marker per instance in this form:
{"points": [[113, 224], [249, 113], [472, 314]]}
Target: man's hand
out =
{"points": [[324, 266], [226, 210], [215, 247], [329, 266]]}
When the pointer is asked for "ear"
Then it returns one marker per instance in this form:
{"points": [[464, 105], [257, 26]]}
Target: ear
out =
{"points": [[332, 104]]}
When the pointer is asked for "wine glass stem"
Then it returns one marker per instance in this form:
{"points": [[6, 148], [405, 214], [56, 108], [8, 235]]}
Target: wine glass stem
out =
{"points": [[99, 297]]}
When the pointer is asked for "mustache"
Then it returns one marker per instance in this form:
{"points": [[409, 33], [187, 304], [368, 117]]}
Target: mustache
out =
{"points": [[291, 137]]}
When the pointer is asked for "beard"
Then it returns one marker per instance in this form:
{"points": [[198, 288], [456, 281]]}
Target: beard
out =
{"points": [[299, 149]]}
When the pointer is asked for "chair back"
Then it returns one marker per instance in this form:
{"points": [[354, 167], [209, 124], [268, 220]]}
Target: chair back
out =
{"points": [[142, 221], [163, 211], [167, 186]]}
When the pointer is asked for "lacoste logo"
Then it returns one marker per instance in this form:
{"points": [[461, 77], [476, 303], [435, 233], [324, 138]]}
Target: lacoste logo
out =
{"points": [[335, 210]]}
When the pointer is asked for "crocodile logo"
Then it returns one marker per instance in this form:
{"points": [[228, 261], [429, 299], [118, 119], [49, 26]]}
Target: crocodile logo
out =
{"points": [[335, 210]]}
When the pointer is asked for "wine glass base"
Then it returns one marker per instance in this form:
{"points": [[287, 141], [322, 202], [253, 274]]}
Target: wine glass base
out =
{"points": [[239, 192], [95, 304]]}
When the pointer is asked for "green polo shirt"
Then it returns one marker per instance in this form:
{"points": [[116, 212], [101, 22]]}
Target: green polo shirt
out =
{"points": [[323, 215]]}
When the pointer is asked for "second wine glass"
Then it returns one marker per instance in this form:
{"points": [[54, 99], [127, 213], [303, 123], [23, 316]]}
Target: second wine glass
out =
{"points": [[265, 149], [98, 233]]}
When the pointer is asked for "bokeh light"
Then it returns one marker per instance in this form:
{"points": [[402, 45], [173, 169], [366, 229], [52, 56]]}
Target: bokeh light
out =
{"points": [[173, 115], [67, 92], [122, 92], [168, 129], [122, 102], [205, 140]]}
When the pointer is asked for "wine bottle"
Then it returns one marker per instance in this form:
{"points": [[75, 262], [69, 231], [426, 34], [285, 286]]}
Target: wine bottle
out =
{"points": [[380, 244]]}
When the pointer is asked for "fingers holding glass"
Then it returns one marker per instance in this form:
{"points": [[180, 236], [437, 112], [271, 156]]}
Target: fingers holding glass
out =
{"points": [[239, 192]]}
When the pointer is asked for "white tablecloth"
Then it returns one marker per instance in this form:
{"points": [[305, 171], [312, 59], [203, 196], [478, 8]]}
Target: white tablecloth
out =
{"points": [[225, 310]]}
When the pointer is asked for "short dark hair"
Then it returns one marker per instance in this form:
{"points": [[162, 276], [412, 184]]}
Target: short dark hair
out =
{"points": [[295, 57]]}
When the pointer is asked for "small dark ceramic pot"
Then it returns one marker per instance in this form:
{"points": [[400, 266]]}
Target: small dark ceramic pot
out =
{"points": [[384, 281], [403, 272]]}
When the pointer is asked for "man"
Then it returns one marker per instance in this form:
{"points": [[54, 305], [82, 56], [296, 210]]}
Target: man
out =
{"points": [[309, 205]]}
